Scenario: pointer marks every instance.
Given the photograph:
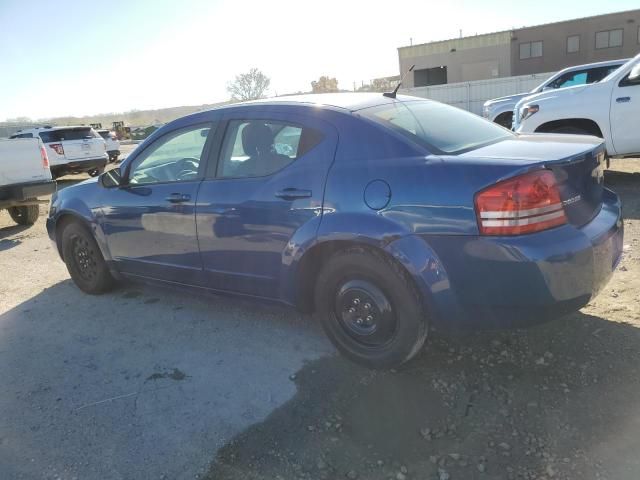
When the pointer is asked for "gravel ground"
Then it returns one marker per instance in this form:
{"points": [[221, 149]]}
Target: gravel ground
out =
{"points": [[153, 383]]}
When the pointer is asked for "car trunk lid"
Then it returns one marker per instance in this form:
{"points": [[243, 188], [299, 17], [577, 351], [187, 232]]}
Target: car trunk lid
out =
{"points": [[576, 160]]}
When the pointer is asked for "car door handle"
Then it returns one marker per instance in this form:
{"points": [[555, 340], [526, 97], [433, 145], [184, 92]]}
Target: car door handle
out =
{"points": [[178, 197], [623, 99], [293, 193]]}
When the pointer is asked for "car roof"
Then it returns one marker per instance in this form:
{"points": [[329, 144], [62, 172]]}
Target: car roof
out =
{"points": [[51, 128], [607, 63], [348, 101]]}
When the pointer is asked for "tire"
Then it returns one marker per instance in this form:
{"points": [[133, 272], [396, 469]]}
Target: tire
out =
{"points": [[505, 119], [84, 260], [370, 309], [571, 130], [26, 215], [95, 172]]}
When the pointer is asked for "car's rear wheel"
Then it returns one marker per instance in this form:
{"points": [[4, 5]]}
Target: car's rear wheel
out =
{"points": [[84, 260], [95, 172], [370, 309], [25, 215]]}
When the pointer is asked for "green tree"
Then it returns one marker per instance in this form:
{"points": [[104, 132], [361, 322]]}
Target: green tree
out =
{"points": [[325, 85], [249, 86]]}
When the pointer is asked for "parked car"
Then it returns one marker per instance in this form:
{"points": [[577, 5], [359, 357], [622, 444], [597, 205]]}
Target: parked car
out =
{"points": [[70, 149], [112, 144], [385, 216], [607, 109], [500, 110], [24, 176]]}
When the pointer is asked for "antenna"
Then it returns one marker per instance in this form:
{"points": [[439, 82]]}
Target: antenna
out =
{"points": [[395, 90]]}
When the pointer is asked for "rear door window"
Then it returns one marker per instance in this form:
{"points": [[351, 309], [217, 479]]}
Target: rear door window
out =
{"points": [[256, 148]]}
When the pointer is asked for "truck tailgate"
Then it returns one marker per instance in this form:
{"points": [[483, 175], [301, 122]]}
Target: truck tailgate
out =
{"points": [[21, 162]]}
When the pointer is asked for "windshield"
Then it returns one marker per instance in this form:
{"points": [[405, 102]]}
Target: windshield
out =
{"points": [[439, 127]]}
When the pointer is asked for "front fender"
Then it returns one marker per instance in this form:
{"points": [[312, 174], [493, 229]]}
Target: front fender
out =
{"points": [[79, 210]]}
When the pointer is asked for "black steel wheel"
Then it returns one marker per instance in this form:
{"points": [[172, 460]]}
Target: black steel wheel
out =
{"points": [[365, 312], [370, 308], [84, 260]]}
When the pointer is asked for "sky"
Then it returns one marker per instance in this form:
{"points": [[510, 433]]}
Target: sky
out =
{"points": [[62, 57]]}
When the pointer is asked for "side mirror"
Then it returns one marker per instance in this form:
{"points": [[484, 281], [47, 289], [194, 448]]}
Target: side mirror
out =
{"points": [[634, 75], [111, 179]]}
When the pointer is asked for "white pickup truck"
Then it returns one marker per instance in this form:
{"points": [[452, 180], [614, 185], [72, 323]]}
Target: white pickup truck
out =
{"points": [[608, 109], [24, 176], [500, 110]]}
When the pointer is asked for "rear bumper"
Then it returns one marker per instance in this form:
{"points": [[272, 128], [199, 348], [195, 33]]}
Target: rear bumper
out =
{"points": [[23, 192], [501, 282], [78, 166]]}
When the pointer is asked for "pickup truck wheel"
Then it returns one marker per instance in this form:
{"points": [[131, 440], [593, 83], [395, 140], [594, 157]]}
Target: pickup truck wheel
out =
{"points": [[370, 309], [571, 130], [95, 172], [26, 215], [84, 260]]}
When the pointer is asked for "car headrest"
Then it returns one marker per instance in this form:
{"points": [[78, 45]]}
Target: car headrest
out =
{"points": [[257, 139]]}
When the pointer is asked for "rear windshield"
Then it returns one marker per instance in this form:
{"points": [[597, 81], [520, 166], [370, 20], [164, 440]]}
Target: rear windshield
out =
{"points": [[104, 133], [60, 135], [438, 127]]}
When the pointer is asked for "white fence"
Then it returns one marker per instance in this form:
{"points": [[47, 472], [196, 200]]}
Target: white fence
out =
{"points": [[471, 95]]}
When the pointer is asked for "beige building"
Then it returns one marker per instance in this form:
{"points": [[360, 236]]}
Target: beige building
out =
{"points": [[538, 49]]}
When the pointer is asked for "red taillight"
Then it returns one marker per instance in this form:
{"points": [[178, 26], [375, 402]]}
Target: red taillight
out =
{"points": [[57, 147], [45, 158], [525, 204]]}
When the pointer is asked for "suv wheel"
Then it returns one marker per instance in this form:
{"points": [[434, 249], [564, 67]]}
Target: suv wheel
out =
{"points": [[370, 309], [26, 215], [84, 260]]}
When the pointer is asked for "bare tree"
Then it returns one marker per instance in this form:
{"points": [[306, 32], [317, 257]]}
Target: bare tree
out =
{"points": [[324, 85], [249, 86]]}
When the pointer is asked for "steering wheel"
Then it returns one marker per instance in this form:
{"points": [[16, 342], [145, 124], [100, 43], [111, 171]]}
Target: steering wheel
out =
{"points": [[187, 168]]}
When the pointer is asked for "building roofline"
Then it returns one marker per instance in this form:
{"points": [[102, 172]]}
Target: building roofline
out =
{"points": [[512, 30]]}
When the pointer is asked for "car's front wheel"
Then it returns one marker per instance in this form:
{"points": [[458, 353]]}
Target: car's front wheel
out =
{"points": [[370, 309], [95, 172], [84, 260]]}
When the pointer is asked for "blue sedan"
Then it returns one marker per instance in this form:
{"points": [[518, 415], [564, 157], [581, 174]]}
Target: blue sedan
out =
{"points": [[385, 216]]}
